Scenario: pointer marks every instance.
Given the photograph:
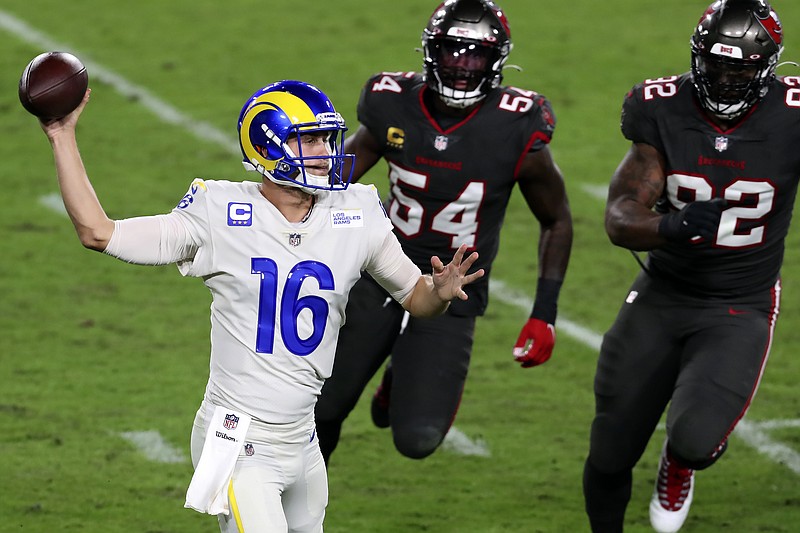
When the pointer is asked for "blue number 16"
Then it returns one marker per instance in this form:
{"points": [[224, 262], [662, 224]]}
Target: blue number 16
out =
{"points": [[291, 305]]}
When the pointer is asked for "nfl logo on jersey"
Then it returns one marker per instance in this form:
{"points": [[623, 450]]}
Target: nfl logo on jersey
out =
{"points": [[294, 239], [721, 144], [231, 421], [440, 142]]}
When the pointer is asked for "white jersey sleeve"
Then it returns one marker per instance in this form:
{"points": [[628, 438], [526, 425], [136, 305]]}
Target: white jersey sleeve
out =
{"points": [[387, 263], [193, 211], [153, 240], [393, 270]]}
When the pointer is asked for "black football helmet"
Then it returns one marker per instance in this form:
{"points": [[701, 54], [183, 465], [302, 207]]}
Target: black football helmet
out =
{"points": [[466, 43], [735, 49]]}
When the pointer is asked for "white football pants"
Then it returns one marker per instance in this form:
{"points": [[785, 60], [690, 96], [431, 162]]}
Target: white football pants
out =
{"points": [[279, 484]]}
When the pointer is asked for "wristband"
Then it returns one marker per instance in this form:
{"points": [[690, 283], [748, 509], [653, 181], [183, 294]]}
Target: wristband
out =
{"points": [[545, 306]]}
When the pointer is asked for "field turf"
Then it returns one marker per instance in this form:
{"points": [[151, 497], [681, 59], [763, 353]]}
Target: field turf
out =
{"points": [[92, 350]]}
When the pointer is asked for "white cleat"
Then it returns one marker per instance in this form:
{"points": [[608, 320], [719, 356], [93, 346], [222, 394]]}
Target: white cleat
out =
{"points": [[672, 496]]}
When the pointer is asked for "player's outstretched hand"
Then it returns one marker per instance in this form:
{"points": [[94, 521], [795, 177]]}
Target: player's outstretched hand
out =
{"points": [[52, 128], [450, 278], [535, 343]]}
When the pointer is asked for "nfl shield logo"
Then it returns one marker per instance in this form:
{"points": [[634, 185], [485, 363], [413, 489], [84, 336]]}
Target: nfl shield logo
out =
{"points": [[231, 421], [721, 144], [294, 239], [440, 143], [249, 450]]}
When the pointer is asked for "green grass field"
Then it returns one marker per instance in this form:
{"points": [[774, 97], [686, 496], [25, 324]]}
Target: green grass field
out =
{"points": [[92, 348]]}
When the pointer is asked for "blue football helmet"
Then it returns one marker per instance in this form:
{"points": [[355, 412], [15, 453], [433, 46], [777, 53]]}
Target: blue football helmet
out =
{"points": [[288, 109]]}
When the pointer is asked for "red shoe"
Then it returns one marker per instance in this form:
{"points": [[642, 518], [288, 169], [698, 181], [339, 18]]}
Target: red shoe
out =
{"points": [[672, 496]]}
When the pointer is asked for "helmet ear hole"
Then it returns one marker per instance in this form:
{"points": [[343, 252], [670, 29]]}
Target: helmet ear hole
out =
{"points": [[465, 45]]}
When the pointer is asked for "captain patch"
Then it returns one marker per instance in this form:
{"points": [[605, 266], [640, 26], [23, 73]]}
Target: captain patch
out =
{"points": [[347, 218]]}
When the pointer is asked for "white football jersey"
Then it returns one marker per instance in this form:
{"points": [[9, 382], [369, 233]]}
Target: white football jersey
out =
{"points": [[279, 288]]}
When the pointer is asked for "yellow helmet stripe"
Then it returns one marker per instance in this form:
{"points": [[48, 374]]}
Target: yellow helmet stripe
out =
{"points": [[295, 109]]}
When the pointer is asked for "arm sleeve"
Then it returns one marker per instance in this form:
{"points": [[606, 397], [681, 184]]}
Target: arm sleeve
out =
{"points": [[393, 270], [153, 240]]}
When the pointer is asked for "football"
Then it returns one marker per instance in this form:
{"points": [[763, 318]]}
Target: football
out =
{"points": [[53, 85]]}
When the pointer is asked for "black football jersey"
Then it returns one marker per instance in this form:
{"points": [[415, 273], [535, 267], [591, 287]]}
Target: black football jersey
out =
{"points": [[754, 165], [451, 182]]}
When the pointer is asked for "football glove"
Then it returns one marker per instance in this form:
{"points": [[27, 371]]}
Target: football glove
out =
{"points": [[535, 343], [696, 219]]}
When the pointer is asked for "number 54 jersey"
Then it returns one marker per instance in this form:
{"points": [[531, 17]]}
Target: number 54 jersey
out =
{"points": [[280, 289], [754, 165], [451, 182]]}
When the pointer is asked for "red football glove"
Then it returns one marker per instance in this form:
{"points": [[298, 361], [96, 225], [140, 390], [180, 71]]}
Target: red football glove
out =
{"points": [[535, 343]]}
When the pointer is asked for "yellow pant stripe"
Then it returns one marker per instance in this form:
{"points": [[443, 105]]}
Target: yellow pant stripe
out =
{"points": [[234, 508]]}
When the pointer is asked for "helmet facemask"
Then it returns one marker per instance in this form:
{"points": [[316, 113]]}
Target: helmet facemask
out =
{"points": [[462, 72], [466, 44], [728, 87]]}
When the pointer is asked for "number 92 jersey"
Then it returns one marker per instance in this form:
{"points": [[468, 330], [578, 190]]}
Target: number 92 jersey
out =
{"points": [[450, 183], [754, 165]]}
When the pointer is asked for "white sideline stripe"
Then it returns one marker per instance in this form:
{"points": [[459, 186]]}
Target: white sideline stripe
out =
{"points": [[154, 446], [502, 291], [204, 131]]}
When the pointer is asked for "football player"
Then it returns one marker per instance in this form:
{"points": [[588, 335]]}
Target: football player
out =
{"points": [[279, 256], [707, 188], [456, 143]]}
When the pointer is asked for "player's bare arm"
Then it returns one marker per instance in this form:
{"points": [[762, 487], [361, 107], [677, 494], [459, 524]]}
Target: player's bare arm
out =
{"points": [[635, 187], [432, 294], [366, 149], [93, 226], [542, 186]]}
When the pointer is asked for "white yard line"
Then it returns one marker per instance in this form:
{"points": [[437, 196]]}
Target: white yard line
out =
{"points": [[752, 433], [756, 434], [459, 443], [154, 446]]}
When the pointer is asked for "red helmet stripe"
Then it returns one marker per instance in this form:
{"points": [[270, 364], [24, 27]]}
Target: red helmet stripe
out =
{"points": [[773, 27]]}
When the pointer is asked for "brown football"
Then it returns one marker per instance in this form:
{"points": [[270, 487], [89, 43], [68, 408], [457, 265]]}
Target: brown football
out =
{"points": [[53, 85]]}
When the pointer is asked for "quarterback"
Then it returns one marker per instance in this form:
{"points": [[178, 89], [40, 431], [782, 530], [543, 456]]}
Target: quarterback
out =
{"points": [[279, 256]]}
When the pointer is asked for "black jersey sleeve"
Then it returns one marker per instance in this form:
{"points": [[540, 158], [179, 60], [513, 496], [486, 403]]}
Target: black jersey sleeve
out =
{"points": [[365, 110], [638, 121], [544, 124]]}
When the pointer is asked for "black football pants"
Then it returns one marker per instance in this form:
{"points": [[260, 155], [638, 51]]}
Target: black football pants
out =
{"points": [[703, 357], [429, 361]]}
